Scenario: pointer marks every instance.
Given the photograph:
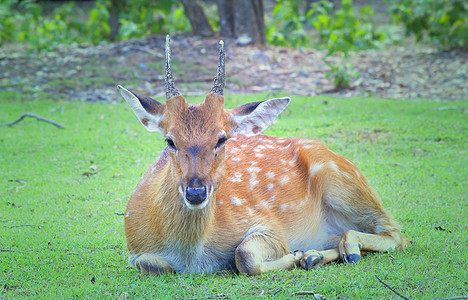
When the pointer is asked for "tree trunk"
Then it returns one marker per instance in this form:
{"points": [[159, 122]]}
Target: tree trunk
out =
{"points": [[226, 18], [242, 19], [197, 18], [114, 25]]}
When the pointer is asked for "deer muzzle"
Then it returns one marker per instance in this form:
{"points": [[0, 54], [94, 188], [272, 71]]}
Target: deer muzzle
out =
{"points": [[196, 196]]}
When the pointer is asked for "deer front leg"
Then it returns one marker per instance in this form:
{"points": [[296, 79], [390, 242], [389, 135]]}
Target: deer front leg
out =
{"points": [[260, 253], [151, 264]]}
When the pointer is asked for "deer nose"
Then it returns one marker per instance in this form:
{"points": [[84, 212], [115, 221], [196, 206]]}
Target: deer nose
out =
{"points": [[195, 195]]}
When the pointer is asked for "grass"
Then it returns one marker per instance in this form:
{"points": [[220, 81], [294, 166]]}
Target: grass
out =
{"points": [[69, 183]]}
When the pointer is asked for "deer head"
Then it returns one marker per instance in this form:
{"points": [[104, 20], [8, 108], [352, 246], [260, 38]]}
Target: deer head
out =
{"points": [[196, 133]]}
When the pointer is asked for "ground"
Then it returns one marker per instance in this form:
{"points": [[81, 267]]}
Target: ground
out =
{"points": [[63, 194], [91, 72]]}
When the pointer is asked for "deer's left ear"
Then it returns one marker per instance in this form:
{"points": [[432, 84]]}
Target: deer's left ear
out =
{"points": [[252, 118], [148, 111]]}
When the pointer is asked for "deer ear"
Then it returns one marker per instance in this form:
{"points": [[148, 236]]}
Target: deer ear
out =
{"points": [[252, 118], [148, 111]]}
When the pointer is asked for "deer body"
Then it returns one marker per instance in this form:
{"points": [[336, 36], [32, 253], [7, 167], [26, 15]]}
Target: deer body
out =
{"points": [[221, 196]]}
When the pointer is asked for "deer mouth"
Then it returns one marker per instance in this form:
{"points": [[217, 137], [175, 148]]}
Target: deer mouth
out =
{"points": [[196, 197]]}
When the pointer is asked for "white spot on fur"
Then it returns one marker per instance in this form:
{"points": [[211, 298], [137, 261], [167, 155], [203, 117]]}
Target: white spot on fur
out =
{"points": [[333, 166], [284, 179], [253, 182], [292, 162], [270, 186], [259, 155], [235, 159], [357, 173], [346, 175], [243, 146], [283, 161], [249, 211], [270, 146], [235, 149], [128, 214], [315, 168], [283, 206], [263, 205], [253, 176], [270, 175], [253, 169], [236, 177], [256, 149], [237, 201], [302, 203], [253, 163], [350, 162], [308, 146], [272, 199]]}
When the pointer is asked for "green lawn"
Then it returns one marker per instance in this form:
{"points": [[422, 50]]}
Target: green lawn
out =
{"points": [[69, 184]]}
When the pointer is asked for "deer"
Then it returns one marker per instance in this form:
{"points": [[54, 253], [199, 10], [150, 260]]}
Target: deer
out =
{"points": [[223, 196]]}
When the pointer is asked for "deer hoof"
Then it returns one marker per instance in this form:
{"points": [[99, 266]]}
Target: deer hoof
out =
{"points": [[351, 258], [312, 261]]}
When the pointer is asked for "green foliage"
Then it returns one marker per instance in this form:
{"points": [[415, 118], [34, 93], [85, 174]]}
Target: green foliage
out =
{"points": [[43, 33], [342, 30], [338, 30], [342, 74], [7, 21], [443, 22], [286, 26], [97, 27], [140, 18], [24, 21]]}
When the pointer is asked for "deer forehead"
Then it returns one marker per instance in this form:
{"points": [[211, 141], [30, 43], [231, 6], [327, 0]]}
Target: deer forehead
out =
{"points": [[197, 121]]}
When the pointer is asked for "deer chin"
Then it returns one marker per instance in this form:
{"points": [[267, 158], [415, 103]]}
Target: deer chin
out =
{"points": [[199, 206]]}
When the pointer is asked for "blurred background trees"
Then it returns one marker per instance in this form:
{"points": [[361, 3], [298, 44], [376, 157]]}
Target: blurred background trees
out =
{"points": [[337, 26], [334, 25]]}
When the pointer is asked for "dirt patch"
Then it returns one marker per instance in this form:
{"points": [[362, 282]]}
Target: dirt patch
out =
{"points": [[91, 72]]}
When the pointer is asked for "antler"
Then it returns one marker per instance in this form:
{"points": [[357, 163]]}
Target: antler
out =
{"points": [[218, 84], [171, 90]]}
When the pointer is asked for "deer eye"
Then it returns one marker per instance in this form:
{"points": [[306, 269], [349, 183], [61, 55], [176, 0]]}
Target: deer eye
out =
{"points": [[170, 143], [221, 142]]}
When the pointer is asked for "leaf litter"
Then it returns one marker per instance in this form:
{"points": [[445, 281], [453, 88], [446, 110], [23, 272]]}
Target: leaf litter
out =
{"points": [[91, 72]]}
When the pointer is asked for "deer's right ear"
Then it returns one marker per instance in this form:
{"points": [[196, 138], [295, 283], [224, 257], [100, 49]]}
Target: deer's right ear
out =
{"points": [[148, 111]]}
